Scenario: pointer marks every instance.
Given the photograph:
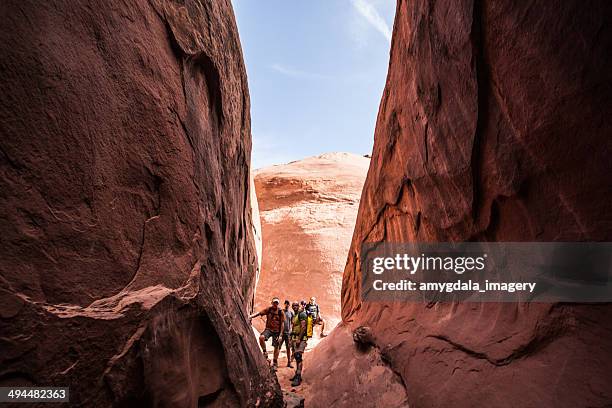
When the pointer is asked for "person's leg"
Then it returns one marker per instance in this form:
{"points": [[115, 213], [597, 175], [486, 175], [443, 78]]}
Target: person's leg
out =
{"points": [[322, 327], [286, 338], [299, 356], [293, 355], [276, 346], [298, 365], [265, 335], [282, 341]]}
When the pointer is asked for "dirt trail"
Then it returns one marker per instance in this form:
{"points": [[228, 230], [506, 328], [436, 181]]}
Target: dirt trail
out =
{"points": [[284, 373]]}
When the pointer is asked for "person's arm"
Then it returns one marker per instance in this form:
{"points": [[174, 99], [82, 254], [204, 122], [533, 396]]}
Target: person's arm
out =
{"points": [[261, 313], [302, 330]]}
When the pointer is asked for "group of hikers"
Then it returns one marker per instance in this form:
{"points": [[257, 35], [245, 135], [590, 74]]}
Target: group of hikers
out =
{"points": [[293, 326]]}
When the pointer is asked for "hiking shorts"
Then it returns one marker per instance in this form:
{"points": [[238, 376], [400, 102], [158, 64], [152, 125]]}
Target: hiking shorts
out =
{"points": [[298, 349], [269, 333], [285, 339]]}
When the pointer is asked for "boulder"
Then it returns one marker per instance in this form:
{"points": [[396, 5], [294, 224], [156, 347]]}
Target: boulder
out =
{"points": [[341, 373]]}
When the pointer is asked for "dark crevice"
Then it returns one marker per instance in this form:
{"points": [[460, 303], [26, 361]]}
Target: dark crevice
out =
{"points": [[178, 52], [184, 127], [426, 137], [180, 56], [141, 250], [223, 219], [245, 111], [208, 399], [478, 49], [494, 219], [208, 233], [155, 188], [395, 130], [182, 68], [174, 45], [213, 86], [417, 223]]}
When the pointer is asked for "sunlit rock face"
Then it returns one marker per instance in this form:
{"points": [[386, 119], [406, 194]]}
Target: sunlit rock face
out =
{"points": [[494, 125], [308, 210], [128, 257]]}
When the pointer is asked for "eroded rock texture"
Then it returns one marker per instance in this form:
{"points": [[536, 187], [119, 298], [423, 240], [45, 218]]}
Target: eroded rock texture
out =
{"points": [[308, 210], [128, 258], [343, 373], [494, 125]]}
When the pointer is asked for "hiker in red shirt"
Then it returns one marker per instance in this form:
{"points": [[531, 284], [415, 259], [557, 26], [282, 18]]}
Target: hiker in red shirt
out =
{"points": [[275, 318]]}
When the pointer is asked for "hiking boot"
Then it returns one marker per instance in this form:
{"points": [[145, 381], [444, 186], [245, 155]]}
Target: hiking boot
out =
{"points": [[323, 335], [296, 380]]}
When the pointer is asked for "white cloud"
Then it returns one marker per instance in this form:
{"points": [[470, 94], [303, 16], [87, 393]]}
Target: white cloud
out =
{"points": [[296, 73], [372, 17]]}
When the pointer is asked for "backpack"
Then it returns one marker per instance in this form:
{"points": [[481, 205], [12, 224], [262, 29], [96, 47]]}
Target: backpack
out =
{"points": [[309, 325], [312, 310]]}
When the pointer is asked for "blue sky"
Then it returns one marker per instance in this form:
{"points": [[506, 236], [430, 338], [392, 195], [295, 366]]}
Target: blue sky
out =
{"points": [[316, 73]]}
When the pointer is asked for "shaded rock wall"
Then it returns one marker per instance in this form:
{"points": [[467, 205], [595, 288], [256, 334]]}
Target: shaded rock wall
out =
{"points": [[256, 232], [128, 258], [308, 210], [494, 125]]}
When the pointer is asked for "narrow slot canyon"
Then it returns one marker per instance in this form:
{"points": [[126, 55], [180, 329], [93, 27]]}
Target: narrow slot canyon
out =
{"points": [[138, 238], [307, 210]]}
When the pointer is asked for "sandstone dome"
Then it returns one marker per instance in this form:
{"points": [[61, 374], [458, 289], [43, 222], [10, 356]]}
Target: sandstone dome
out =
{"points": [[308, 210]]}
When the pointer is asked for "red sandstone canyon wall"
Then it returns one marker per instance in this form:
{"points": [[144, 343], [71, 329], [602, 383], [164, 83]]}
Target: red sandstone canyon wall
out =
{"points": [[128, 256], [494, 125]]}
